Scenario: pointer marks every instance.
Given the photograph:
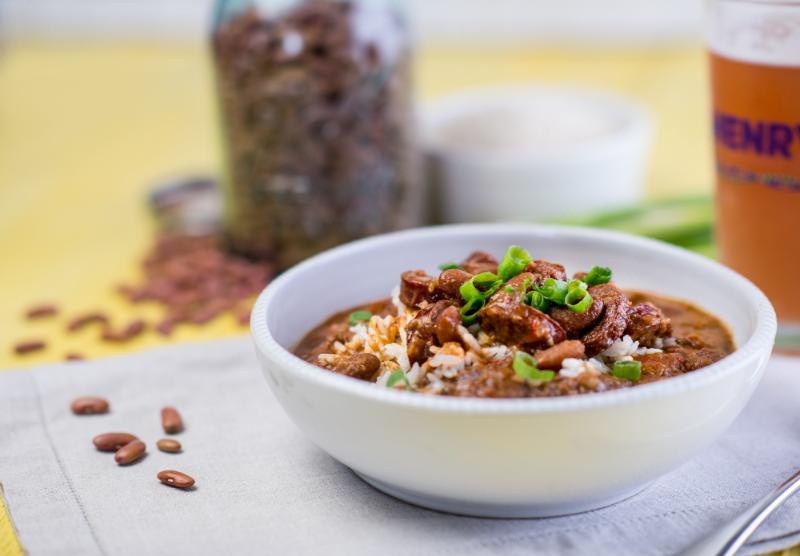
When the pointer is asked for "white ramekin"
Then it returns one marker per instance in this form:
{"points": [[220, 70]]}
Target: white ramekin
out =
{"points": [[509, 458], [473, 183]]}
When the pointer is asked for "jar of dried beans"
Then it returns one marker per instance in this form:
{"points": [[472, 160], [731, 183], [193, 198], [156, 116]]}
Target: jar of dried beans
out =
{"points": [[315, 103]]}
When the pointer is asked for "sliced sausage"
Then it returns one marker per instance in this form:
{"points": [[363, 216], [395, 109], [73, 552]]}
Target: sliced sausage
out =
{"points": [[613, 321], [512, 322], [480, 261], [552, 357], [450, 281], [572, 322], [416, 286], [646, 322], [422, 330], [541, 270], [660, 365], [358, 365]]}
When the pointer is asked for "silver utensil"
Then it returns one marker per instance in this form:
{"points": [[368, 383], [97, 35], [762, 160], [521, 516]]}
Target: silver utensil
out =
{"points": [[727, 540]]}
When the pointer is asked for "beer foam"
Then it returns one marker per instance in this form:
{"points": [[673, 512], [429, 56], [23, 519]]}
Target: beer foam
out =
{"points": [[761, 32]]}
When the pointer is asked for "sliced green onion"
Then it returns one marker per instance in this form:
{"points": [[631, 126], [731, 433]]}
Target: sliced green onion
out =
{"points": [[358, 316], [554, 290], [630, 370], [573, 284], [525, 366], [598, 275], [537, 301], [396, 377], [514, 261], [469, 312], [480, 285], [509, 289], [578, 300], [449, 266]]}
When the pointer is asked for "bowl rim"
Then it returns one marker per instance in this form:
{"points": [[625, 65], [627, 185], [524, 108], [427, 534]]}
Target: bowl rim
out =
{"points": [[759, 344]]}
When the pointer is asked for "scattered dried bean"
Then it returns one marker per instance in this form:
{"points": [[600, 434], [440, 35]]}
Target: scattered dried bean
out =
{"points": [[171, 420], [176, 479], [29, 346], [169, 445], [40, 311], [131, 452], [88, 318], [133, 329], [89, 405], [112, 441]]}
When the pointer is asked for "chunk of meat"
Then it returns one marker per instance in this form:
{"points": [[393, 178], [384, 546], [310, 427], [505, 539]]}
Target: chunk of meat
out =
{"points": [[677, 360], [478, 262], [423, 328], [646, 322], [698, 357], [541, 270], [450, 281], [512, 322], [495, 380], [552, 357], [572, 322], [358, 365], [447, 326], [659, 365], [416, 286], [613, 321]]}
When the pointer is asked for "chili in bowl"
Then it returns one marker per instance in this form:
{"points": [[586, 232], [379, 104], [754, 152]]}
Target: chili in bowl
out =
{"points": [[501, 384]]}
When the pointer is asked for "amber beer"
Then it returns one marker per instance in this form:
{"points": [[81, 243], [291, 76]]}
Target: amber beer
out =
{"points": [[755, 82]]}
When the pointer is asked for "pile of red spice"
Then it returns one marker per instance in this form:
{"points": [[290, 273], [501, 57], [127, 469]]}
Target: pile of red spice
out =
{"points": [[192, 277]]}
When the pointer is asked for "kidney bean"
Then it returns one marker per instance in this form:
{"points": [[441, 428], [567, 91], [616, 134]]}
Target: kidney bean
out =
{"points": [[169, 445], [131, 452], [133, 329], [85, 319], [447, 326], [171, 420], [165, 326], [552, 357], [74, 356], [29, 346], [358, 365], [176, 479], [112, 441], [89, 405], [40, 311]]}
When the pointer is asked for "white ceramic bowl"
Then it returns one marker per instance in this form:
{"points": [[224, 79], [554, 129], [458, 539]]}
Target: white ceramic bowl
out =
{"points": [[530, 152], [509, 458]]}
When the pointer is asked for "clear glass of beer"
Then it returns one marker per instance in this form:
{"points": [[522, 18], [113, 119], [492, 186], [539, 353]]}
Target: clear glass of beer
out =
{"points": [[754, 48]]}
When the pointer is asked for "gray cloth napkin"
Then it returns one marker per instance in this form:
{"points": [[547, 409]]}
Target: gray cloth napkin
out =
{"points": [[262, 488]]}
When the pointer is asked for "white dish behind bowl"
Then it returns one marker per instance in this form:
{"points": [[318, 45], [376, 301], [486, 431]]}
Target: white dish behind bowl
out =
{"points": [[534, 151], [509, 458]]}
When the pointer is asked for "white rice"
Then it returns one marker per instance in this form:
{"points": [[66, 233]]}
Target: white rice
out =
{"points": [[386, 337], [571, 367], [397, 353], [469, 340], [625, 348], [497, 352]]}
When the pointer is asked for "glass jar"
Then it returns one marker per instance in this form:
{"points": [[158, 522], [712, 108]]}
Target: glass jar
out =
{"points": [[314, 98], [755, 81]]}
